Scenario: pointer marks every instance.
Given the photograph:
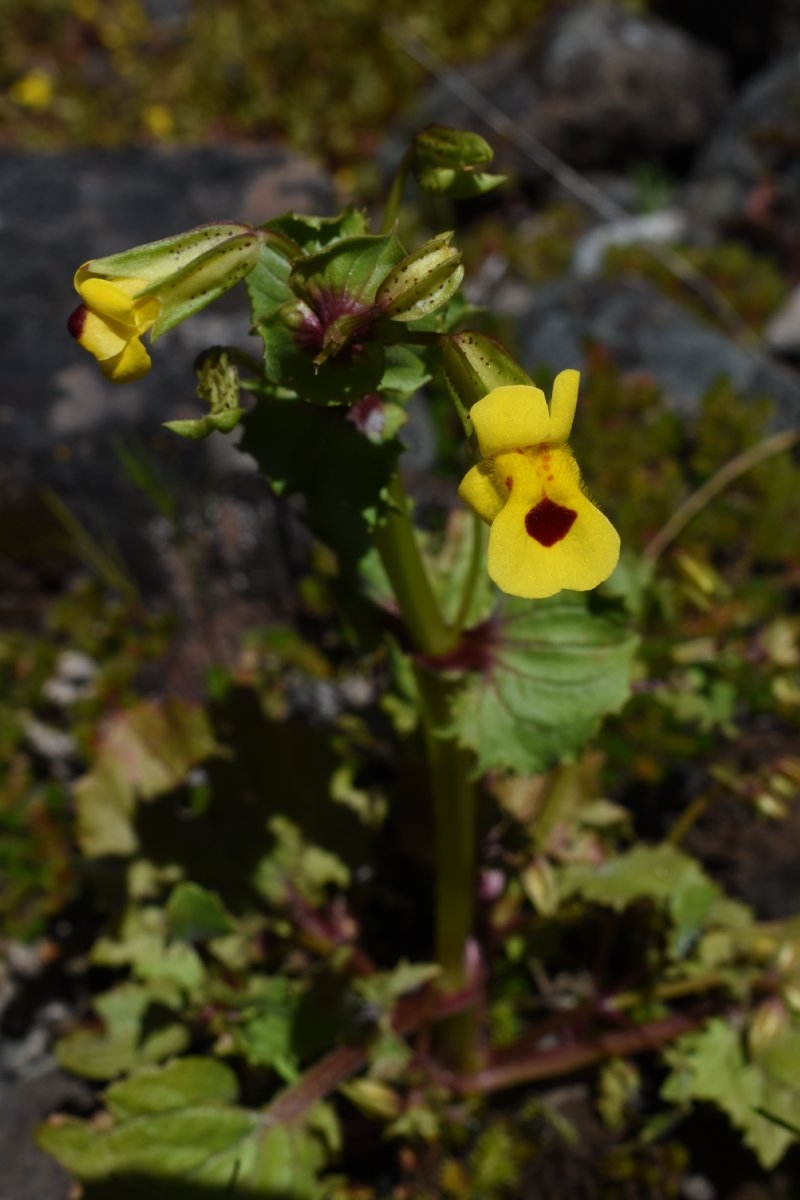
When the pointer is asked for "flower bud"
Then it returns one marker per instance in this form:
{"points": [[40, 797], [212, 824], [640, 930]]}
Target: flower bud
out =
{"points": [[446, 161], [422, 282], [475, 364], [150, 288]]}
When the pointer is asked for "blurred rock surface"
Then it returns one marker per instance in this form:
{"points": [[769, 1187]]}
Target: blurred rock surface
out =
{"points": [[604, 86]]}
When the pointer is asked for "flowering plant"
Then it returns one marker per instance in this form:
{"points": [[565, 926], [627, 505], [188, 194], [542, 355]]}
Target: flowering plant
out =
{"points": [[492, 657]]}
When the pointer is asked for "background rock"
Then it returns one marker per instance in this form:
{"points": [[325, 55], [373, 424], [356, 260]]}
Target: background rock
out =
{"points": [[645, 331], [603, 87]]}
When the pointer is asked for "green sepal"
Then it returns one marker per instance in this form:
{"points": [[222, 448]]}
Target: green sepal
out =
{"points": [[203, 279], [155, 261], [353, 268], [473, 365], [550, 672], [446, 162], [422, 282]]}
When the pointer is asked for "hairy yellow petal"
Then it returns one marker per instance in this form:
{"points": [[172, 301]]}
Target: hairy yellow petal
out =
{"points": [[509, 418], [480, 490]]}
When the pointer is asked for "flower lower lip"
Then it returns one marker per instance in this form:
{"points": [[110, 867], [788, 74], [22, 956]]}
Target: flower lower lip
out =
{"points": [[77, 320], [548, 522]]}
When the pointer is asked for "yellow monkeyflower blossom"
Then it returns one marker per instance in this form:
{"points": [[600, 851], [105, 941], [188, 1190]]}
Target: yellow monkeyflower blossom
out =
{"points": [[110, 323], [545, 532]]}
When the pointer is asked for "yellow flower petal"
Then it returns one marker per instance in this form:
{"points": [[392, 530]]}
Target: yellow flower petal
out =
{"points": [[581, 559], [481, 491], [102, 338], [509, 418], [132, 363], [110, 299], [563, 404]]}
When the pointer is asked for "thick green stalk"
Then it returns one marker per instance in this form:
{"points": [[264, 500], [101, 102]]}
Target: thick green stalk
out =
{"points": [[396, 542], [449, 766]]}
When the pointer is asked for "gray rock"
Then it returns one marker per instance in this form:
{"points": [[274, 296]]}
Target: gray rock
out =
{"points": [[782, 332], [747, 178], [604, 86], [644, 331], [28, 1173], [649, 229]]}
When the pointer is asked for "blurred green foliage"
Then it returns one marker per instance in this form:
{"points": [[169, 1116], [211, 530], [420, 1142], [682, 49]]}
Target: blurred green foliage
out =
{"points": [[326, 76]]}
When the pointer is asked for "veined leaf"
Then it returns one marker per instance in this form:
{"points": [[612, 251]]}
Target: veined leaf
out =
{"points": [[549, 673]]}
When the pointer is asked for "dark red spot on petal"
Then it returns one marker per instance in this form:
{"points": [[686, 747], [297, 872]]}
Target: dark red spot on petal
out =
{"points": [[509, 482], [77, 320], [548, 522]]}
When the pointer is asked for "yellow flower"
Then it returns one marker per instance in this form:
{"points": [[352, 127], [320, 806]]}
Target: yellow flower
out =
{"points": [[545, 532], [111, 321], [34, 90]]}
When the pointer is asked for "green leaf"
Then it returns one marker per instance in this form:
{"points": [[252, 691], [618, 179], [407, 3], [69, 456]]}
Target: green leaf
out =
{"points": [[214, 1150], [180, 1084], [339, 380], [265, 1035], [311, 234], [711, 1065], [319, 453], [195, 914], [268, 282], [144, 752], [551, 671], [137, 1029], [404, 373], [662, 874], [202, 427]]}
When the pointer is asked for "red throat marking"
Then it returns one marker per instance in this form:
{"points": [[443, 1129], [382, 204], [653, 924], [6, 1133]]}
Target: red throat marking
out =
{"points": [[548, 522]]}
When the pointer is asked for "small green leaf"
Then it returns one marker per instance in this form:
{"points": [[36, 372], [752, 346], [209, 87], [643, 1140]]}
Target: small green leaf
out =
{"points": [[145, 752], [195, 914], [137, 1029], [551, 671], [202, 427], [662, 874], [711, 1065], [311, 234], [180, 1084]]}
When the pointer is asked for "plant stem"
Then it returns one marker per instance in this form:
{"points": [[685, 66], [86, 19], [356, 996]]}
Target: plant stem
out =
{"points": [[454, 818], [723, 478], [396, 542], [449, 769], [472, 576], [396, 193]]}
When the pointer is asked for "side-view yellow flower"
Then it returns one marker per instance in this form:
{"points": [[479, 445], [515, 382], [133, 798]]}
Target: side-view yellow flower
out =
{"points": [[110, 323], [545, 532]]}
